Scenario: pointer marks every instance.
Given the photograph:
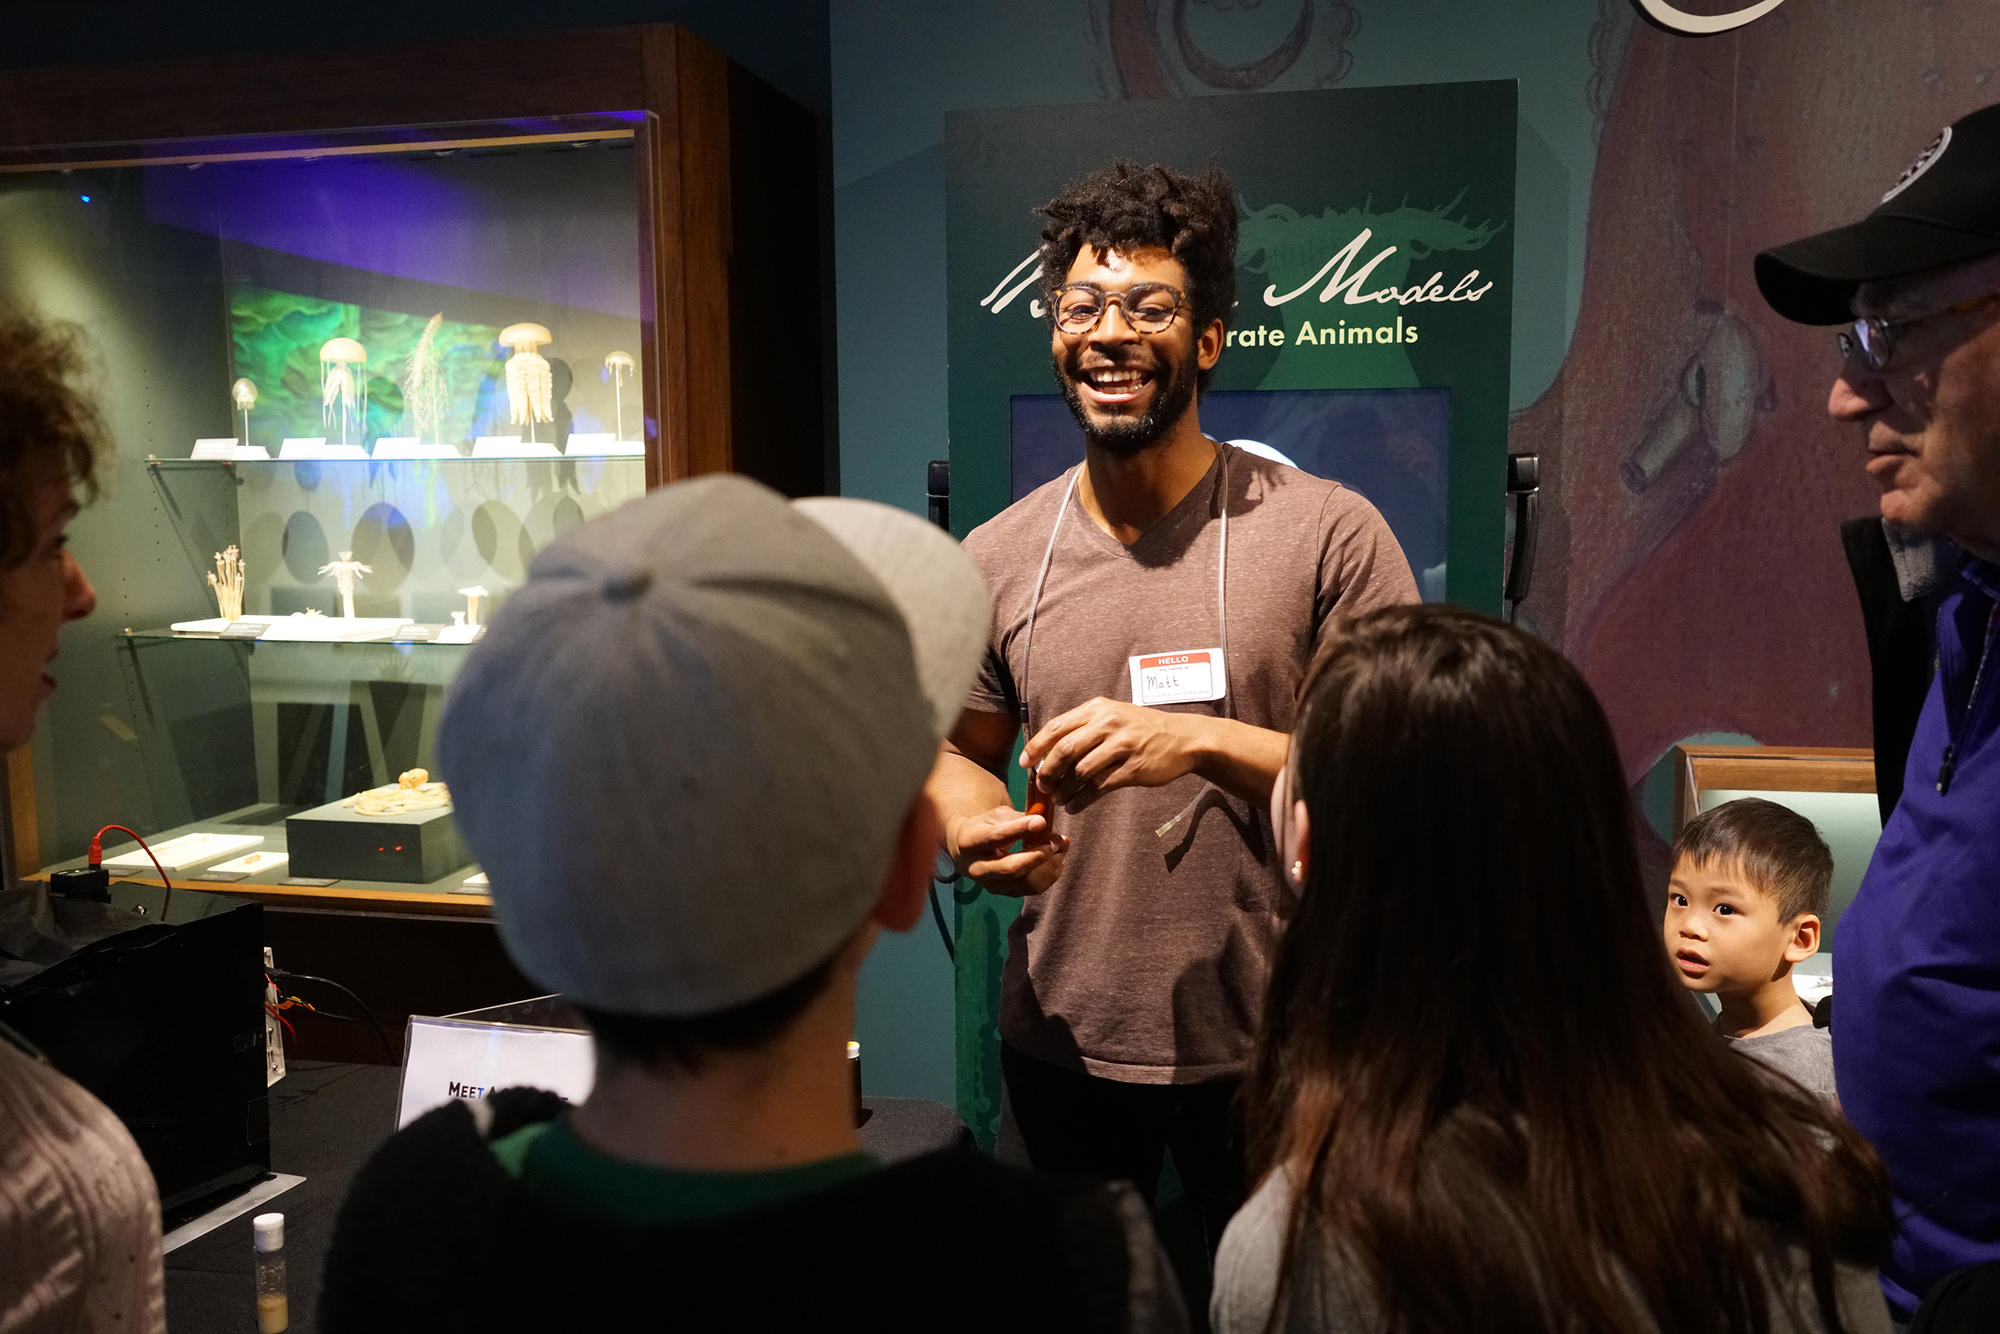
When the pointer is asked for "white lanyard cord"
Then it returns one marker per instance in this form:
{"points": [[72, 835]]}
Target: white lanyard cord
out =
{"points": [[1222, 572], [1035, 602], [1221, 622], [1221, 601], [1221, 576]]}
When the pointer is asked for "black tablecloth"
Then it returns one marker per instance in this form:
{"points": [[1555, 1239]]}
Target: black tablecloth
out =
{"points": [[325, 1121]]}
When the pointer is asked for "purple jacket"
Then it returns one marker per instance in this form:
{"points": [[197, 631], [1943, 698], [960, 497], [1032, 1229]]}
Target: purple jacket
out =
{"points": [[1916, 1034]]}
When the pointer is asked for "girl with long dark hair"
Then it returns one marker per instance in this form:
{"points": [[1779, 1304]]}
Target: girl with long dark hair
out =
{"points": [[1480, 1100]]}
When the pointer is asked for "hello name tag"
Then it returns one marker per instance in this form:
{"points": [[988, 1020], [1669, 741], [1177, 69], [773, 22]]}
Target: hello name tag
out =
{"points": [[1178, 678]]}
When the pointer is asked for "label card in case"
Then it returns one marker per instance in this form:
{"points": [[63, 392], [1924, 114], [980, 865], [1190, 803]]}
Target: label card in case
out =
{"points": [[177, 854], [253, 863]]}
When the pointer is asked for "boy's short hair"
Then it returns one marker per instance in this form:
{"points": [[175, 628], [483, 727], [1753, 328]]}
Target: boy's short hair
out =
{"points": [[1779, 850], [686, 1045]]}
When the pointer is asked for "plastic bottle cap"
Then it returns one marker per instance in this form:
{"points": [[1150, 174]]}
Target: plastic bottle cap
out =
{"points": [[269, 1230]]}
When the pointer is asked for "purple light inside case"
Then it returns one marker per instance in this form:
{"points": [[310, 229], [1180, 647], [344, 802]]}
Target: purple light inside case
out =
{"points": [[540, 222]]}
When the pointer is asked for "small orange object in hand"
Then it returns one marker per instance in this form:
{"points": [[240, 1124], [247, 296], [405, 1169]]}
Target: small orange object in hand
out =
{"points": [[1039, 803]]}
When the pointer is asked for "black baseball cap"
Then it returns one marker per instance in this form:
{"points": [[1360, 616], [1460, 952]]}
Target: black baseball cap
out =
{"points": [[1943, 209]]}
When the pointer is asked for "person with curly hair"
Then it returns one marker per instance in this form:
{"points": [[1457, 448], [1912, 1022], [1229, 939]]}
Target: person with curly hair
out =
{"points": [[1154, 612], [49, 435], [79, 1213], [1481, 1099]]}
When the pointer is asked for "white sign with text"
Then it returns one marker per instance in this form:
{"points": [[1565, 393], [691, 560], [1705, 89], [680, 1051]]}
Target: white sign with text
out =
{"points": [[457, 1058]]}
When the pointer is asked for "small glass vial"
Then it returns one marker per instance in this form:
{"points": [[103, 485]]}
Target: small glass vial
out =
{"points": [[854, 1068], [273, 1315]]}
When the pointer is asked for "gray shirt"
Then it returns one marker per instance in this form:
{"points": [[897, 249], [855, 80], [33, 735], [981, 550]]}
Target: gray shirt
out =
{"points": [[1804, 1053], [1327, 1295]]}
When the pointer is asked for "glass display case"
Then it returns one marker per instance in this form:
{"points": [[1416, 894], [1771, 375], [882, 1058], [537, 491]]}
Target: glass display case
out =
{"points": [[358, 366], [354, 382], [375, 323]]}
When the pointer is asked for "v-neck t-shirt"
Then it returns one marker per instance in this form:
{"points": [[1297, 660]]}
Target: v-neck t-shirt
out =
{"points": [[1146, 961]]}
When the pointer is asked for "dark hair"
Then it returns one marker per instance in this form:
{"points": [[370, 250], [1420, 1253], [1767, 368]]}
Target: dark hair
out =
{"points": [[685, 1044], [1126, 206], [48, 429], [1504, 1124], [1778, 850]]}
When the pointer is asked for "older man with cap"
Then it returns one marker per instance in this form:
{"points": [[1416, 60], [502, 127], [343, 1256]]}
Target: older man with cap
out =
{"points": [[1916, 1037], [690, 754]]}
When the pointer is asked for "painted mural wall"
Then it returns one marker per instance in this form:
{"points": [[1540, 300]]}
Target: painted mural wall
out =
{"points": [[1693, 485]]}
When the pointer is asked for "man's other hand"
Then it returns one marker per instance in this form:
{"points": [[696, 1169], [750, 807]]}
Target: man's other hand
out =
{"points": [[980, 848]]}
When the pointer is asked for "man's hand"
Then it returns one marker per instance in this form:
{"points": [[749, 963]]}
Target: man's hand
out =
{"points": [[979, 846], [1105, 744]]}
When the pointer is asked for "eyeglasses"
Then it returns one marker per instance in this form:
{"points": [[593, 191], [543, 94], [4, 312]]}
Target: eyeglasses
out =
{"points": [[1149, 308], [1875, 338]]}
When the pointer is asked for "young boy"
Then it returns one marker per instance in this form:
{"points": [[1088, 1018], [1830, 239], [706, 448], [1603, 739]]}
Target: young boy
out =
{"points": [[1749, 885]]}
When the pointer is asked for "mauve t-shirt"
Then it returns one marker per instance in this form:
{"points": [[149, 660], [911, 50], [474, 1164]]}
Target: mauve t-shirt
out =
{"points": [[1146, 961]]}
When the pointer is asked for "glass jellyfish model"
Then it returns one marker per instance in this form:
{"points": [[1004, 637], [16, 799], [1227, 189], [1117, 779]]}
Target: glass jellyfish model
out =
{"points": [[343, 572], [343, 385], [244, 395], [424, 392], [618, 365], [530, 386]]}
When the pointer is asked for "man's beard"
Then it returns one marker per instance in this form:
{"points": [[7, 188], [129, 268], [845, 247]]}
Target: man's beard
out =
{"points": [[1126, 436]]}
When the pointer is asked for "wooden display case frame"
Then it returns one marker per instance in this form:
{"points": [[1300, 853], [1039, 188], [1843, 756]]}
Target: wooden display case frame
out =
{"points": [[1767, 769]]}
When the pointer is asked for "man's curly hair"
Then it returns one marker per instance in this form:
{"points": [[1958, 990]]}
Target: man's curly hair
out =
{"points": [[1127, 205], [49, 430]]}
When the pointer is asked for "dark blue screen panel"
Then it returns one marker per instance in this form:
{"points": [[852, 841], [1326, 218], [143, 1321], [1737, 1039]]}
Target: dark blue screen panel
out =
{"points": [[1391, 445]]}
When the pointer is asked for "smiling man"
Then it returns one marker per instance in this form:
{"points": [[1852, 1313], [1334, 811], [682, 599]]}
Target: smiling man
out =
{"points": [[1154, 611], [1917, 958]]}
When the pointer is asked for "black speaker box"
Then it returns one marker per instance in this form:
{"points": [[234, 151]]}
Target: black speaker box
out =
{"points": [[161, 1015]]}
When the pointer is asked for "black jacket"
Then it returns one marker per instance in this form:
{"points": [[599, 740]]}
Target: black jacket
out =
{"points": [[436, 1237], [1902, 652]]}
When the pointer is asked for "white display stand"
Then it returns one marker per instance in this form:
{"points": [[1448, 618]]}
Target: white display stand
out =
{"points": [[602, 445], [469, 1055], [512, 447], [215, 625], [333, 629], [301, 447], [409, 447]]}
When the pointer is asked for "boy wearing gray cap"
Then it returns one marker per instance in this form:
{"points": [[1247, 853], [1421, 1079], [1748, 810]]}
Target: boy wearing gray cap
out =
{"points": [[690, 754]]}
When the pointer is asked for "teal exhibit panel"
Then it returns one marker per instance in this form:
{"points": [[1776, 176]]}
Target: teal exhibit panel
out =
{"points": [[1369, 343]]}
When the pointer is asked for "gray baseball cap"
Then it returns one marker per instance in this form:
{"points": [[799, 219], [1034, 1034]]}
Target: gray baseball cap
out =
{"points": [[684, 748]]}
